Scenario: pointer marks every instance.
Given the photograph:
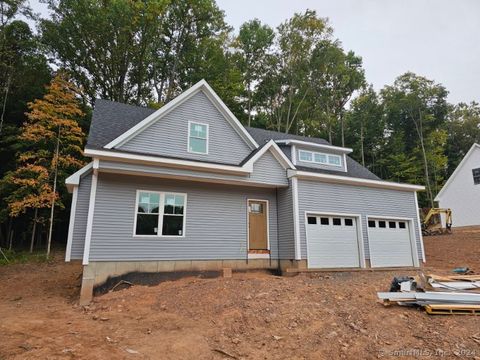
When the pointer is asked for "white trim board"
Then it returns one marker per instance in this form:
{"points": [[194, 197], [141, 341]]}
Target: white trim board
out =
{"points": [[91, 209], [455, 172], [71, 224], [296, 219], [307, 175], [74, 179], [202, 85], [245, 169], [315, 145], [422, 248]]}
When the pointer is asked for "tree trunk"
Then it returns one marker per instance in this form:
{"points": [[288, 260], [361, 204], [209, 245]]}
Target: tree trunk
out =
{"points": [[4, 103], [32, 240], [49, 241], [342, 129], [361, 145], [10, 245]]}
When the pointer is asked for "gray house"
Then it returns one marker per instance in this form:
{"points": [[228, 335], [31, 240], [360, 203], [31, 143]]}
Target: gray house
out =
{"points": [[188, 187]]}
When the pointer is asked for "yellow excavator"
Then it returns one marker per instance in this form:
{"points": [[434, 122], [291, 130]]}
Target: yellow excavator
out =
{"points": [[432, 222]]}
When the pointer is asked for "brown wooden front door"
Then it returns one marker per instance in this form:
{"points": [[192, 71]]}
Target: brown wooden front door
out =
{"points": [[257, 225]]}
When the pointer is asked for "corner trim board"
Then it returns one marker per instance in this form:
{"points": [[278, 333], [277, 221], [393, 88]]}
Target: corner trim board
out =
{"points": [[296, 220], [71, 224], [422, 249], [91, 208]]}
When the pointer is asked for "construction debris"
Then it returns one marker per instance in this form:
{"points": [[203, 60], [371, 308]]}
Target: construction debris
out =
{"points": [[442, 295]]}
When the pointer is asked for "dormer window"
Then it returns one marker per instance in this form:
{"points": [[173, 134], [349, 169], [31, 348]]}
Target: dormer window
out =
{"points": [[197, 138], [320, 158]]}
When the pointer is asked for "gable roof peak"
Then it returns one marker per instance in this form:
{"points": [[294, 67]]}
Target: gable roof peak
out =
{"points": [[202, 85]]}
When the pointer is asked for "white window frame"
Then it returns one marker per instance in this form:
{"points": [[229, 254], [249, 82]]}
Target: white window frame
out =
{"points": [[161, 213], [190, 123], [327, 157]]}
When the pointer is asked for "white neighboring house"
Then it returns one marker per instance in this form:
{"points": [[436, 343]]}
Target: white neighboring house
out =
{"points": [[461, 192]]}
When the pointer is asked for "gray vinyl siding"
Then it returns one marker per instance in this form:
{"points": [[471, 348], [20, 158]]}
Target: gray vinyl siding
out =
{"points": [[216, 221], [81, 214], [286, 240], [340, 170], [169, 135], [335, 198], [266, 171]]}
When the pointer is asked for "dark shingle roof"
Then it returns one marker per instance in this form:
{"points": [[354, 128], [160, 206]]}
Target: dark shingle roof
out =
{"points": [[262, 135], [111, 119], [354, 168]]}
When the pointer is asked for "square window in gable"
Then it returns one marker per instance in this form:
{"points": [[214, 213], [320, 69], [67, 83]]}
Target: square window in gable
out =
{"points": [[476, 176], [197, 138]]}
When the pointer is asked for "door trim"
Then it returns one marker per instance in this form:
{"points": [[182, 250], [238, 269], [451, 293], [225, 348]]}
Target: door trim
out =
{"points": [[413, 238], [360, 240], [268, 229]]}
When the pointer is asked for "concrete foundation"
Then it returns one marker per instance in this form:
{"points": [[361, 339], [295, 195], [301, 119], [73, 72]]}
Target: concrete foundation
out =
{"points": [[97, 272]]}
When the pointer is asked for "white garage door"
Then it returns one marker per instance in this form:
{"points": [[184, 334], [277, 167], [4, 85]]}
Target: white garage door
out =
{"points": [[332, 241], [389, 242]]}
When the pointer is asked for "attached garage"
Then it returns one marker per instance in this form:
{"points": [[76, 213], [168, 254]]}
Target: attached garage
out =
{"points": [[333, 241], [390, 242]]}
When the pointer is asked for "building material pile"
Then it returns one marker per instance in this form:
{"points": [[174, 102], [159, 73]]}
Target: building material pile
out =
{"points": [[445, 295]]}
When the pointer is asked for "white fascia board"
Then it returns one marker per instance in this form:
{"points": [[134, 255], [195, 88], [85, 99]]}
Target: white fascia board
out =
{"points": [[201, 85], [343, 150], [455, 172], [354, 181], [176, 163], [74, 179], [277, 153]]}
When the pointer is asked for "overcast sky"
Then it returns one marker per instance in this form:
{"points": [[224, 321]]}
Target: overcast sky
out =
{"points": [[439, 39]]}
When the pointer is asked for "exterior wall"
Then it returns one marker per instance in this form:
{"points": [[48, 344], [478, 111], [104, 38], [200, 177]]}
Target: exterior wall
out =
{"points": [[216, 221], [81, 213], [462, 196], [169, 135], [267, 170], [286, 240], [335, 198], [320, 166]]}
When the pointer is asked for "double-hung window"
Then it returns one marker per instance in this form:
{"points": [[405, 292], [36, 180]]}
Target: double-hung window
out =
{"points": [[197, 138], [476, 176], [160, 213]]}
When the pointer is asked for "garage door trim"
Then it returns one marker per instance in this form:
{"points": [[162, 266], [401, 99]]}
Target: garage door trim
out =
{"points": [[411, 228], [360, 240]]}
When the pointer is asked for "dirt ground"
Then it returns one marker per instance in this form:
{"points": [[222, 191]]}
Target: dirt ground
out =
{"points": [[250, 316]]}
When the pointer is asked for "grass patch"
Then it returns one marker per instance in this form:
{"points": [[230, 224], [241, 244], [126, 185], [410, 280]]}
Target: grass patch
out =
{"points": [[21, 257]]}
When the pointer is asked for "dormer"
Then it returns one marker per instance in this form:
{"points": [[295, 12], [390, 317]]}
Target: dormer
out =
{"points": [[318, 156]]}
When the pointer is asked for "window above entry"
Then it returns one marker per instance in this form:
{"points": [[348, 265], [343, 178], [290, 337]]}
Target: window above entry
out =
{"points": [[197, 138], [319, 158]]}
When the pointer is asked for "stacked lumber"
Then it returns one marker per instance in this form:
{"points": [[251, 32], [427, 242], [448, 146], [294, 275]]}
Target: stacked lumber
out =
{"points": [[438, 295]]}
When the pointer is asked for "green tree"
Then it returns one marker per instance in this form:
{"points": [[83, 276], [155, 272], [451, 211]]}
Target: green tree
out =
{"points": [[285, 88], [365, 127], [335, 76], [463, 131], [416, 108], [105, 45], [52, 141], [254, 43]]}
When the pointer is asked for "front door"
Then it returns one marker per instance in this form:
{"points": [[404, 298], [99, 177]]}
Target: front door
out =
{"points": [[257, 225]]}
